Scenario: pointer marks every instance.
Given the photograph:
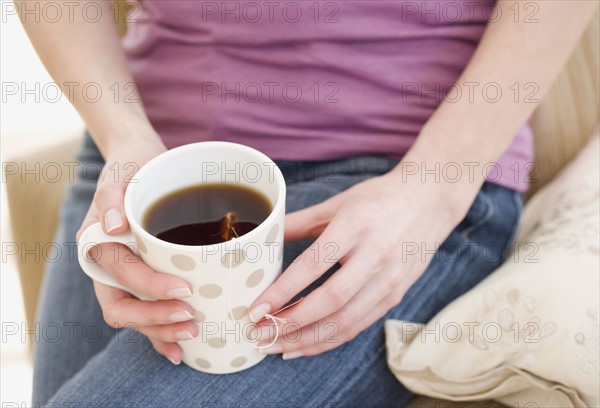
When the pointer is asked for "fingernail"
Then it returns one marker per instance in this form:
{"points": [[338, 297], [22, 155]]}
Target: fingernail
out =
{"points": [[176, 362], [181, 316], [179, 293], [113, 220], [272, 349], [292, 355], [259, 312], [183, 335]]}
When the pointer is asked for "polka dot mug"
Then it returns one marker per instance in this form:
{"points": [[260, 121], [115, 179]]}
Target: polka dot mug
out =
{"points": [[226, 277]]}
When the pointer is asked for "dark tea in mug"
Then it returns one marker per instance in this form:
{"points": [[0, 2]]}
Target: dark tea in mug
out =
{"points": [[206, 214]]}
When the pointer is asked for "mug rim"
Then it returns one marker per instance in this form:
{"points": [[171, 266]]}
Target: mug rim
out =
{"points": [[136, 226]]}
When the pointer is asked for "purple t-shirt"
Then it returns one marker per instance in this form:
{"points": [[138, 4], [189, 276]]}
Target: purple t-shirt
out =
{"points": [[308, 80]]}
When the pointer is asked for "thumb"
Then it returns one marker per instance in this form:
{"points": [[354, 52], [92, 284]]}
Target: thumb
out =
{"points": [[109, 202], [306, 223]]}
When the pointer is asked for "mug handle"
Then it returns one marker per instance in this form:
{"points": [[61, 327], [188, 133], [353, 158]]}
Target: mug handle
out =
{"points": [[94, 235]]}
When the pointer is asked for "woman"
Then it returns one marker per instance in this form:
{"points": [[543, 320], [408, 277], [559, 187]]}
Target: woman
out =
{"points": [[415, 111]]}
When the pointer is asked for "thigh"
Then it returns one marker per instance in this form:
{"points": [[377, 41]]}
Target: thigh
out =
{"points": [[354, 374], [473, 250], [129, 371], [71, 328]]}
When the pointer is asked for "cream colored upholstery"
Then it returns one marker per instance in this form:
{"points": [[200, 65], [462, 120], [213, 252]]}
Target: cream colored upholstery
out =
{"points": [[562, 124], [570, 112], [33, 207]]}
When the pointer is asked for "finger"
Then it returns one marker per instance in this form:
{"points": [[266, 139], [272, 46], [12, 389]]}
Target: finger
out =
{"points": [[334, 294], [110, 298], [171, 332], [170, 351], [351, 320], [120, 309], [90, 218], [343, 325], [307, 268], [339, 338], [130, 271], [312, 221], [109, 200], [375, 314], [308, 222]]}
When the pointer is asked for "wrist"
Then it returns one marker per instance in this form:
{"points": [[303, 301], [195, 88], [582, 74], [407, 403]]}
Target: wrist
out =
{"points": [[448, 185], [112, 138]]}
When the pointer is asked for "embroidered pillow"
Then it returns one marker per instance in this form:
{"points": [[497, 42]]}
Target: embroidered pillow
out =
{"points": [[527, 336]]}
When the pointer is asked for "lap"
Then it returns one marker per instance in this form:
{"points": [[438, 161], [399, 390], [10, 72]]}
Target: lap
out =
{"points": [[127, 370], [70, 324]]}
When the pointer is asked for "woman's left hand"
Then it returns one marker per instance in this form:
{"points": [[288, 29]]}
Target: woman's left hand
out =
{"points": [[373, 230]]}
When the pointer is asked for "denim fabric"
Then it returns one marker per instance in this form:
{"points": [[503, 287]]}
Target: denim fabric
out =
{"points": [[120, 368]]}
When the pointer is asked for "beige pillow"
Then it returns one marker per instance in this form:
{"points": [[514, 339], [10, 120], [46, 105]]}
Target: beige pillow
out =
{"points": [[527, 336]]}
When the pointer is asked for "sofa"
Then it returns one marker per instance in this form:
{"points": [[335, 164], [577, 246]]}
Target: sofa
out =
{"points": [[562, 124]]}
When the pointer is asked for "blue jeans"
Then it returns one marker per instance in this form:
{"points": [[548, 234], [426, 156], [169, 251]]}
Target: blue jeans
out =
{"points": [[92, 364]]}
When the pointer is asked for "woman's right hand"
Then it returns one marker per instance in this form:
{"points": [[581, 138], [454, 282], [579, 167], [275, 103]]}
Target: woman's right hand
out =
{"points": [[166, 320]]}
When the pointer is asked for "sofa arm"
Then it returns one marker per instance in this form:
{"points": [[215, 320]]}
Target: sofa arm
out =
{"points": [[35, 186]]}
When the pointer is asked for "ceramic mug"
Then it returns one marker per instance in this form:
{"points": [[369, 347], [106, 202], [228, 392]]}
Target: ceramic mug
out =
{"points": [[227, 277]]}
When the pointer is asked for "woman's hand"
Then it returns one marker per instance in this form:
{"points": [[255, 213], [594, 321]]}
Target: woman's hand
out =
{"points": [[166, 320], [368, 225], [370, 222]]}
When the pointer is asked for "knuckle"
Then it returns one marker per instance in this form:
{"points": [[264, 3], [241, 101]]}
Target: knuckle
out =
{"points": [[104, 173], [344, 322], [153, 319], [106, 193], [94, 253], [337, 295], [345, 333], [380, 244], [155, 283], [164, 334], [391, 279], [132, 325], [281, 291], [353, 330], [102, 191], [158, 313], [117, 270], [319, 217], [348, 212], [310, 264], [321, 348], [348, 335], [284, 293], [386, 255], [158, 346], [110, 316], [394, 298]]}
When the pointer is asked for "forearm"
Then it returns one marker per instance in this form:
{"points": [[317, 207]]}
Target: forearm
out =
{"points": [[82, 54], [522, 60]]}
